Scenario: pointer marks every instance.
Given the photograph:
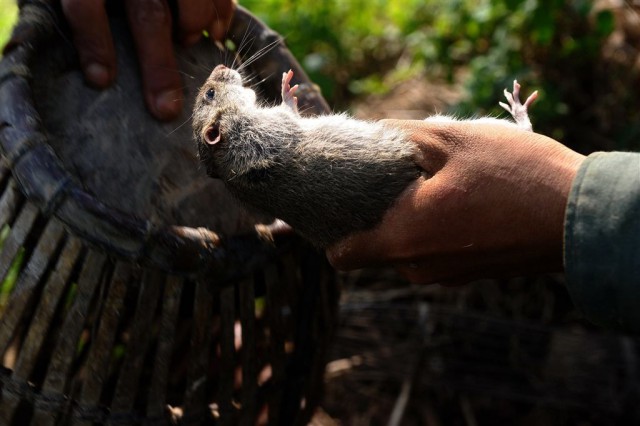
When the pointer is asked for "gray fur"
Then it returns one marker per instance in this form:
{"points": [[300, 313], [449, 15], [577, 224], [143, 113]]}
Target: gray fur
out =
{"points": [[325, 176]]}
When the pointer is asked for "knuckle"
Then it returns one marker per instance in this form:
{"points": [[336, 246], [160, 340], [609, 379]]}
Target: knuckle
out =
{"points": [[341, 255], [92, 49], [73, 5], [195, 16], [149, 12], [78, 11], [336, 260]]}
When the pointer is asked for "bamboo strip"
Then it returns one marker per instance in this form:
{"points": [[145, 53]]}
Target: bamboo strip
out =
{"points": [[166, 338], [58, 372], [97, 364], [140, 337], [195, 402]]}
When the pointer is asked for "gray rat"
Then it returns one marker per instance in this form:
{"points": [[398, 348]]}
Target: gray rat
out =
{"points": [[326, 176]]}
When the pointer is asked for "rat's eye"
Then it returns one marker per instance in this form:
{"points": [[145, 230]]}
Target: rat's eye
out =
{"points": [[209, 94]]}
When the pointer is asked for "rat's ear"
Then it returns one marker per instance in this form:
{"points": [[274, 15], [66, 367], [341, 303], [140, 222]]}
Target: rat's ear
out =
{"points": [[212, 134]]}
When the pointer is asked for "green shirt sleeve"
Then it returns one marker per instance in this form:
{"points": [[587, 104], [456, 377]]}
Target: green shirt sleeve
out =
{"points": [[602, 240]]}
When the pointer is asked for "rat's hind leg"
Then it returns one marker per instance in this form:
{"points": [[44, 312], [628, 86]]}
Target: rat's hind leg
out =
{"points": [[516, 109], [288, 92]]}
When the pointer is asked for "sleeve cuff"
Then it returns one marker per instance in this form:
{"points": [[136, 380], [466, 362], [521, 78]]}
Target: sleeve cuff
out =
{"points": [[602, 240]]}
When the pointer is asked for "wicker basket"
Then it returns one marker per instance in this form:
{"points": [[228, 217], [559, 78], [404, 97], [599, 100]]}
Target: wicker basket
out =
{"points": [[136, 291]]}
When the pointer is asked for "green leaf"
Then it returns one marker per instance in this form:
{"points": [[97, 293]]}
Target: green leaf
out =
{"points": [[605, 23], [8, 17]]}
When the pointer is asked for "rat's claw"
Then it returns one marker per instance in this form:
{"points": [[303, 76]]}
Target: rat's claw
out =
{"points": [[509, 96], [288, 92], [286, 79], [532, 97], [516, 89], [518, 110], [505, 106], [275, 229]]}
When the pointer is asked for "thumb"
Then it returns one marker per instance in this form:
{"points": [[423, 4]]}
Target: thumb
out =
{"points": [[355, 251]]}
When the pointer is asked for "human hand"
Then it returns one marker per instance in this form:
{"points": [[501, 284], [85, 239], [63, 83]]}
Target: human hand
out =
{"points": [[150, 23], [492, 204]]}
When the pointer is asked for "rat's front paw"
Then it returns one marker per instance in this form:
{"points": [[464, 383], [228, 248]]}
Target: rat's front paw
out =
{"points": [[516, 109], [288, 92]]}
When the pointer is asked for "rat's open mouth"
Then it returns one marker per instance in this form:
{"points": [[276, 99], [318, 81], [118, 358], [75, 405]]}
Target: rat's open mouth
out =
{"points": [[212, 134]]}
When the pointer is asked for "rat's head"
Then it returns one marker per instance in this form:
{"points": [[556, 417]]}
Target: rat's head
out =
{"points": [[220, 101]]}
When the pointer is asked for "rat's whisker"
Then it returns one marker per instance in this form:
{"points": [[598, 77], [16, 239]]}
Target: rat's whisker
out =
{"points": [[260, 53], [264, 79], [242, 45], [180, 126]]}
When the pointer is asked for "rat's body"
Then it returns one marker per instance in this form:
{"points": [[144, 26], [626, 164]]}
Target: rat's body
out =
{"points": [[326, 176]]}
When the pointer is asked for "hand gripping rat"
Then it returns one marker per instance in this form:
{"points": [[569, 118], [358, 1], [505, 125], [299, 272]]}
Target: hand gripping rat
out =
{"points": [[326, 176]]}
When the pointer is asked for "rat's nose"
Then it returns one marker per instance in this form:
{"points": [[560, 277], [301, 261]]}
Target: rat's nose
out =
{"points": [[220, 71], [225, 74]]}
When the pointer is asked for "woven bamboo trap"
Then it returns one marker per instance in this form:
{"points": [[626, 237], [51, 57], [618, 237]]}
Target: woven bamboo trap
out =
{"points": [[135, 290]]}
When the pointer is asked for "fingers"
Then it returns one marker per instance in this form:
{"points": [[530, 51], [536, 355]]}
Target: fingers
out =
{"points": [[92, 37], [354, 251], [478, 214], [194, 17], [150, 23], [197, 16], [222, 15]]}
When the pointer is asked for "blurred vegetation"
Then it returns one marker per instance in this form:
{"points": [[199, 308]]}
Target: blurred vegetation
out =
{"points": [[579, 54], [560, 47], [8, 15]]}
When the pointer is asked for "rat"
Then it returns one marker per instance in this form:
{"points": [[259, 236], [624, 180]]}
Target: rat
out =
{"points": [[326, 176]]}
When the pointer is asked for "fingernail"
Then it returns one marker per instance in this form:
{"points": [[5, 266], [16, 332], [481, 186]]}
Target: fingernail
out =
{"points": [[97, 74], [168, 104]]}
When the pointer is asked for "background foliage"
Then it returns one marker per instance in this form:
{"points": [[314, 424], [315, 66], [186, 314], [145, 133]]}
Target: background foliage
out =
{"points": [[561, 47], [580, 55], [8, 14]]}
